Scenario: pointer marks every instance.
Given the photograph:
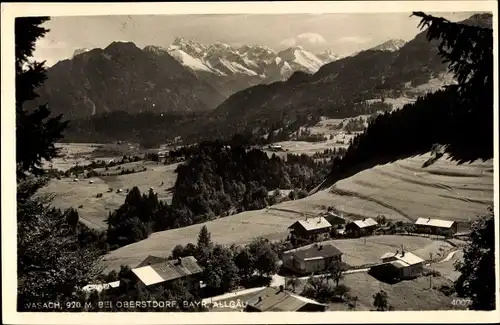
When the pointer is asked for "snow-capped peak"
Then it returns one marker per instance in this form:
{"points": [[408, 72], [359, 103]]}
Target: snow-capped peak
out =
{"points": [[191, 47], [327, 56], [80, 51], [390, 45], [244, 61], [300, 59]]}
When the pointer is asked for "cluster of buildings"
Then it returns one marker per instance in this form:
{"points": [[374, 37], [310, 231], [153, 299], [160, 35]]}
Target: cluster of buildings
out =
{"points": [[314, 258], [311, 229]]}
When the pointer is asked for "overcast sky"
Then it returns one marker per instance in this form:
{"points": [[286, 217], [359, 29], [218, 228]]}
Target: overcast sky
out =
{"points": [[340, 33]]}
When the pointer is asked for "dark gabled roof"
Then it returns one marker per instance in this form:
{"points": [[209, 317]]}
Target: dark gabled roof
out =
{"points": [[273, 299], [314, 251], [150, 260], [171, 270]]}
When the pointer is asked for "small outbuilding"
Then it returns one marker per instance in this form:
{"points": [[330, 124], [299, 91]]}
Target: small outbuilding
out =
{"points": [[399, 266], [362, 227]]}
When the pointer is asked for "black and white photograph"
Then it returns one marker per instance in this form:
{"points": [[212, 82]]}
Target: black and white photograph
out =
{"points": [[213, 162]]}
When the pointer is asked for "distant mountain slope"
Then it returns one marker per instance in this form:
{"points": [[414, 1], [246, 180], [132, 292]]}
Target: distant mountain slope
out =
{"points": [[231, 69], [124, 77], [335, 90]]}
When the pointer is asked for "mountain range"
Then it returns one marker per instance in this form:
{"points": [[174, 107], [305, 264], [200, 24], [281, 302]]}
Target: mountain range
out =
{"points": [[124, 77], [185, 77], [232, 69], [339, 89], [289, 86]]}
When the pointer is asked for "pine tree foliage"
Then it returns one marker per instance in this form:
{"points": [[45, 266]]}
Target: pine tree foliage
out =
{"points": [[56, 255], [477, 269], [468, 51], [36, 130]]}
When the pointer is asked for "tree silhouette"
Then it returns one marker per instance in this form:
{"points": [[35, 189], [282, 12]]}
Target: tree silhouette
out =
{"points": [[53, 261], [477, 278], [204, 239], [335, 272], [36, 131], [380, 301]]}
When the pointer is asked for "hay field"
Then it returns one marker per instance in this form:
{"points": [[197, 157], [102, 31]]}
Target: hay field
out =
{"points": [[405, 295], [388, 190], [94, 211], [441, 190], [71, 154]]}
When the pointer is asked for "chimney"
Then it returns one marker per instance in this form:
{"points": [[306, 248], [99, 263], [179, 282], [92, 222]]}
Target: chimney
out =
{"points": [[320, 247], [396, 253], [260, 299], [282, 288], [179, 261]]}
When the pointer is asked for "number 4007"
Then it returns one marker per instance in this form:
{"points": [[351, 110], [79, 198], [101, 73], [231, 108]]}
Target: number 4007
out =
{"points": [[461, 302]]}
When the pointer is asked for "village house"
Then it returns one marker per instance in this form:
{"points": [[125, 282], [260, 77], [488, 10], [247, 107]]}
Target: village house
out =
{"points": [[312, 259], [278, 299], [362, 227], [309, 229], [399, 266], [186, 268], [436, 227]]}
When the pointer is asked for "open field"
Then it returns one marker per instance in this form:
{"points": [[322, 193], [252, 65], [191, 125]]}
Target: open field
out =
{"points": [[308, 148], [428, 192], [356, 252], [94, 211], [83, 153], [405, 295]]}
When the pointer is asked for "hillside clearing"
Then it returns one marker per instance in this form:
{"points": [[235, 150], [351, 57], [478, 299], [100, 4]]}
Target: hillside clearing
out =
{"points": [[94, 211]]}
